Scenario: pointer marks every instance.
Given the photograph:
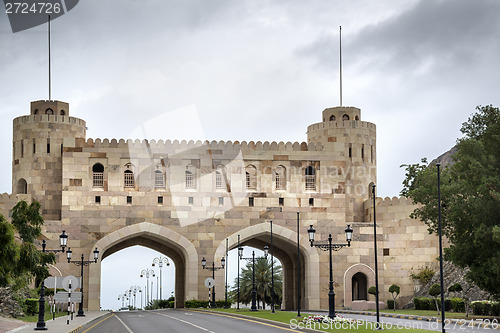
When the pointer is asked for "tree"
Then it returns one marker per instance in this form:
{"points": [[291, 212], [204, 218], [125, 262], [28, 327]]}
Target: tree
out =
{"points": [[470, 193], [8, 252], [372, 290], [394, 290], [31, 262], [435, 291], [262, 282]]}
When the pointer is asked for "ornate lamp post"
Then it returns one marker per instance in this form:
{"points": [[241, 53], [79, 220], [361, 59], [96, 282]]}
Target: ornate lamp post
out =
{"points": [[122, 297], [147, 272], [254, 290], [213, 269], [82, 263], [134, 290], [40, 325], [238, 298], [440, 230], [160, 261], [272, 270], [329, 247]]}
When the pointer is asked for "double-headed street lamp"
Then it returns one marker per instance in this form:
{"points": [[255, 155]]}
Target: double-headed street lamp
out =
{"points": [[213, 269], [82, 263], [122, 297], [40, 325], [160, 261], [254, 290], [147, 272], [329, 247], [134, 290]]}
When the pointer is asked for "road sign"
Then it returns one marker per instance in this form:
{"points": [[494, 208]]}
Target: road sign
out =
{"points": [[209, 282], [74, 282], [51, 281], [63, 297]]}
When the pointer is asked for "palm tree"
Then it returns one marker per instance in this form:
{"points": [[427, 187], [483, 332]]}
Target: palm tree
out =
{"points": [[262, 282]]}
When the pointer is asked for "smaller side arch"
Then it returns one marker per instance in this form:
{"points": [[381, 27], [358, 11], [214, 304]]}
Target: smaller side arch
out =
{"points": [[22, 186], [348, 278]]}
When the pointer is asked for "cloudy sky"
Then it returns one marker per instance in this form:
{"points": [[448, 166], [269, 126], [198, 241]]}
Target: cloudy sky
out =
{"points": [[260, 70]]}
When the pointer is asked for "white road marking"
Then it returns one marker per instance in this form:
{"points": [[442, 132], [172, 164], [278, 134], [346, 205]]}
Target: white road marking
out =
{"points": [[185, 322], [125, 325]]}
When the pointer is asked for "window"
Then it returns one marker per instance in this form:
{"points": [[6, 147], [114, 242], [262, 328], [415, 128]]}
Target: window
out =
{"points": [[281, 201], [310, 178], [190, 182], [34, 146], [311, 202], [49, 111], [129, 180], [350, 150], [22, 148], [386, 252], [98, 175], [129, 199], [159, 179], [48, 146], [345, 117], [363, 152], [356, 118], [280, 178], [22, 186], [221, 201], [191, 200], [62, 113], [250, 202], [251, 177], [219, 183], [97, 199], [332, 117], [160, 200]]}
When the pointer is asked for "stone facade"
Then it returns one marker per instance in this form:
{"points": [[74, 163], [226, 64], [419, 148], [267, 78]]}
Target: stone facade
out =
{"points": [[185, 198]]}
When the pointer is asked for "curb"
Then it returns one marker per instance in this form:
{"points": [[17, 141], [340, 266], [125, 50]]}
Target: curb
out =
{"points": [[424, 318]]}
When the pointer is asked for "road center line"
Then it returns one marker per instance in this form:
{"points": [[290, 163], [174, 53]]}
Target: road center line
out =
{"points": [[125, 325], [100, 321], [185, 322]]}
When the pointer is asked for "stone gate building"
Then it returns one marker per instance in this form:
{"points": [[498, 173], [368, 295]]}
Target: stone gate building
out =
{"points": [[184, 199]]}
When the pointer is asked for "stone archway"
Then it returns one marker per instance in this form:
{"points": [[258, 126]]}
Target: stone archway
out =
{"points": [[159, 238], [285, 247], [353, 272]]}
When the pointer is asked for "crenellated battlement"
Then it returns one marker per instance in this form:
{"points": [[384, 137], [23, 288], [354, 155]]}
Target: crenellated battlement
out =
{"points": [[341, 124], [43, 118], [191, 144]]}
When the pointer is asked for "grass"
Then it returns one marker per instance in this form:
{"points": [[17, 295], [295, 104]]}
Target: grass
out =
{"points": [[48, 316], [430, 313], [291, 318]]}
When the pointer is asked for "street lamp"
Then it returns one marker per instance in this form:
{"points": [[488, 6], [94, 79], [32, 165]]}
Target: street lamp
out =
{"points": [[272, 270], [376, 256], [160, 262], [213, 269], [254, 290], [134, 290], [238, 298], [82, 263], [40, 325], [440, 231], [122, 297], [147, 272], [329, 247]]}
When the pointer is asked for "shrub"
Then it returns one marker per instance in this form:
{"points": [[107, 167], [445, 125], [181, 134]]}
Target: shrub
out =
{"points": [[495, 309], [221, 304], [195, 303], [457, 304], [171, 304], [424, 275], [31, 306], [485, 308], [372, 290], [390, 304]]}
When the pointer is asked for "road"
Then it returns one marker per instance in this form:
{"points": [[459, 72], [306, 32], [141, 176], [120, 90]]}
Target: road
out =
{"points": [[177, 321]]}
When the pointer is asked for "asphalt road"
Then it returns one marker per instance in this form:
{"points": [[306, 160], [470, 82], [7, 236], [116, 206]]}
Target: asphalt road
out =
{"points": [[177, 321]]}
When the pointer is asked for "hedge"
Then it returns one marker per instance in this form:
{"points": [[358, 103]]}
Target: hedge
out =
{"points": [[31, 306], [485, 308], [427, 303], [195, 303], [390, 304]]}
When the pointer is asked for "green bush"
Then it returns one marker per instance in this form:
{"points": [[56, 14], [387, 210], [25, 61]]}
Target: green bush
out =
{"points": [[30, 306], [195, 303], [390, 304], [485, 308], [457, 304], [171, 304], [221, 304], [424, 275], [495, 309], [424, 303]]}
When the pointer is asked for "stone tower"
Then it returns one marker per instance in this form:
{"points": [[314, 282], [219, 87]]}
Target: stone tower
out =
{"points": [[352, 143], [38, 145]]}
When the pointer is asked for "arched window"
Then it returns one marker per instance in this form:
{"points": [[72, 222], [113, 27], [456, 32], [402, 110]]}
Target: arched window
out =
{"points": [[190, 183], [359, 287], [128, 177], [345, 117], [98, 175], [159, 179], [36, 111], [251, 177], [332, 117], [356, 118], [22, 186], [310, 178], [62, 113], [49, 111], [280, 178]]}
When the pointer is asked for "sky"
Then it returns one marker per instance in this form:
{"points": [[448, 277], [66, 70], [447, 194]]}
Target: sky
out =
{"points": [[260, 70]]}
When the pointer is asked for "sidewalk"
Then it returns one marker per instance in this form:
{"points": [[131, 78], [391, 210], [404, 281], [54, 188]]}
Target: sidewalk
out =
{"points": [[60, 324]]}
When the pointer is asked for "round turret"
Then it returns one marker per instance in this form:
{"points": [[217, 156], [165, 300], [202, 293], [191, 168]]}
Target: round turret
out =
{"points": [[38, 144]]}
